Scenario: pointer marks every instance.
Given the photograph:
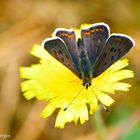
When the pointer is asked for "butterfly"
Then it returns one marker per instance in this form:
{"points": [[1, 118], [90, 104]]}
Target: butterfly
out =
{"points": [[91, 54]]}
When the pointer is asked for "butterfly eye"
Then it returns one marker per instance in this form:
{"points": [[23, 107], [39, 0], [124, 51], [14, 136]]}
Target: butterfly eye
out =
{"points": [[84, 83]]}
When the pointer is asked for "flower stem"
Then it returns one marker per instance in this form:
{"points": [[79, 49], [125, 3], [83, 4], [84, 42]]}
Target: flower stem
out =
{"points": [[99, 125]]}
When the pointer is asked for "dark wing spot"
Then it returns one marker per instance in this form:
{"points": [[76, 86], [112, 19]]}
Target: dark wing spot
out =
{"points": [[105, 63], [119, 50], [111, 50], [62, 59], [112, 58], [119, 55], [59, 52], [115, 50], [67, 56], [105, 54], [69, 65], [55, 53]]}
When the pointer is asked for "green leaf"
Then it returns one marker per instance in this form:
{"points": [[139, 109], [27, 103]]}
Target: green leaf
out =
{"points": [[133, 134]]}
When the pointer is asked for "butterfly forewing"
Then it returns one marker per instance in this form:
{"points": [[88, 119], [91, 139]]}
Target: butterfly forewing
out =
{"points": [[57, 48], [115, 48], [68, 36], [94, 38]]}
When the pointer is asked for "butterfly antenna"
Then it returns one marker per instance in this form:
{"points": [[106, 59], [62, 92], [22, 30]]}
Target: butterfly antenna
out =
{"points": [[105, 108], [73, 99]]}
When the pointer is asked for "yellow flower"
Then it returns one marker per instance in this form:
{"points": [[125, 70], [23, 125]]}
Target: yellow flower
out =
{"points": [[51, 81]]}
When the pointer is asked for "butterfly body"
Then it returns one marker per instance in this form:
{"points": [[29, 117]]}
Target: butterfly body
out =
{"points": [[84, 64], [92, 54]]}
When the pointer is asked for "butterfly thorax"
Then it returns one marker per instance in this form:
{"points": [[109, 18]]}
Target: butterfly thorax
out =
{"points": [[84, 65]]}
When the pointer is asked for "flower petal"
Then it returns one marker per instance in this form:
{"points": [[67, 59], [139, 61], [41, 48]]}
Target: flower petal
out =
{"points": [[104, 98], [48, 110]]}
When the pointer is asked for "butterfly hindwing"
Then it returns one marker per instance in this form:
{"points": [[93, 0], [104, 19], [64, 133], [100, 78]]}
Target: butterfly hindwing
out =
{"points": [[115, 48], [68, 36], [94, 38], [57, 48]]}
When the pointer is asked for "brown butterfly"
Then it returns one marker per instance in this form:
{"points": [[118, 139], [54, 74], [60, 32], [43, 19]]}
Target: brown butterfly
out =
{"points": [[92, 54]]}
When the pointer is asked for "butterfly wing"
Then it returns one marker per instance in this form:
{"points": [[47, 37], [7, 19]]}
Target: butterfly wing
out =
{"points": [[68, 36], [57, 48], [115, 48], [94, 38]]}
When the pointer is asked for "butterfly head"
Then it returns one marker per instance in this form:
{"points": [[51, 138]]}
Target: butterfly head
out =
{"points": [[87, 82]]}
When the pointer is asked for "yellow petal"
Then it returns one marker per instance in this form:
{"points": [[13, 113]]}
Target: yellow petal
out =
{"points": [[104, 98], [83, 114], [48, 110]]}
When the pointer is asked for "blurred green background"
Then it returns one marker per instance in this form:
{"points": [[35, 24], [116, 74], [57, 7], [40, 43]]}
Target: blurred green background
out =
{"points": [[26, 22]]}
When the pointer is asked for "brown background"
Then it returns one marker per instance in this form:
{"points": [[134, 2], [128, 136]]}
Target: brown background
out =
{"points": [[26, 22]]}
